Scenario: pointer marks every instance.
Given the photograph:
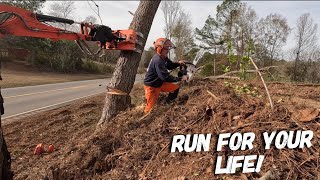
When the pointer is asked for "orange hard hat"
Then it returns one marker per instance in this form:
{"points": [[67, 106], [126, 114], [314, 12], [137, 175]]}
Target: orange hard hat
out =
{"points": [[163, 43]]}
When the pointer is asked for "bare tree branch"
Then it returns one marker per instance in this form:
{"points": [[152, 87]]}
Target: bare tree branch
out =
{"points": [[171, 10], [264, 84], [306, 36], [96, 12], [63, 9], [250, 71], [177, 27]]}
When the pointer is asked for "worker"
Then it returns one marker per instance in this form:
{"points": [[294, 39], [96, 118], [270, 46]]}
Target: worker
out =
{"points": [[157, 78]]}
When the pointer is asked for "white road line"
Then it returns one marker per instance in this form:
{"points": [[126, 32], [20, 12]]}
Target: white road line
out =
{"points": [[41, 92], [46, 107], [57, 104]]}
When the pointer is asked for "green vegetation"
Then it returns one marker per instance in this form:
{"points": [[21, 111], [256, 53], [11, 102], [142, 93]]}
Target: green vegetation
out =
{"points": [[95, 67], [243, 89]]}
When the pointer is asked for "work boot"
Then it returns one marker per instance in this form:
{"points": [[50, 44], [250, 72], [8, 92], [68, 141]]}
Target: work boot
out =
{"points": [[172, 96], [183, 99]]}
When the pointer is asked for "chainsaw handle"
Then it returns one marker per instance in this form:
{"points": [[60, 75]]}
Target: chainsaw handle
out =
{"points": [[183, 69], [186, 69]]}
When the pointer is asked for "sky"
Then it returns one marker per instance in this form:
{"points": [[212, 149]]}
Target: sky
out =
{"points": [[115, 13]]}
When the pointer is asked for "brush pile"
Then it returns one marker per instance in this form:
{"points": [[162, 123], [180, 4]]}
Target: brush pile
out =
{"points": [[131, 147]]}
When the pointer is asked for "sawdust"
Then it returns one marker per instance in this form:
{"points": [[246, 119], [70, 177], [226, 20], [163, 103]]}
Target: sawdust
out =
{"points": [[131, 147]]}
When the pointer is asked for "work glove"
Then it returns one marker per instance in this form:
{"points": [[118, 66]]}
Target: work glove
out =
{"points": [[181, 62], [184, 78]]}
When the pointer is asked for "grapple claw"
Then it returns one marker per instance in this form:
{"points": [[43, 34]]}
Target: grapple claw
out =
{"points": [[20, 22], [138, 51], [139, 43]]}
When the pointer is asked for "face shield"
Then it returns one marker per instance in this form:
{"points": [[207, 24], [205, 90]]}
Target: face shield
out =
{"points": [[168, 45]]}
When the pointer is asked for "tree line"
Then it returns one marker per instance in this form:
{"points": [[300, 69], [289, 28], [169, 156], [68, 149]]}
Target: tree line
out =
{"points": [[236, 31], [233, 32]]}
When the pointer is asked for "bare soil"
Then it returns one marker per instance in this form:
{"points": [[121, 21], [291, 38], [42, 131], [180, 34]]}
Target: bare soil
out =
{"points": [[131, 147]]}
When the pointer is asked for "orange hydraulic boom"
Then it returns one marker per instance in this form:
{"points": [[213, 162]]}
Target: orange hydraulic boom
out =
{"points": [[20, 22]]}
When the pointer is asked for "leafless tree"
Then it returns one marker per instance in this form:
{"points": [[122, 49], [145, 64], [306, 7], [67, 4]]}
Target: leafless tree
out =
{"points": [[182, 35], [171, 11], [126, 69], [91, 19], [272, 33], [63, 9], [306, 38], [96, 10], [177, 27], [244, 28]]}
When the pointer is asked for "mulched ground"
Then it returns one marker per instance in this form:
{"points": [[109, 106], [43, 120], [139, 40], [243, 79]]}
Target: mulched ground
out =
{"points": [[131, 147]]}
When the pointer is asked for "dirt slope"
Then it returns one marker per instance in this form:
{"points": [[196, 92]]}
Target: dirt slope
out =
{"points": [[131, 148]]}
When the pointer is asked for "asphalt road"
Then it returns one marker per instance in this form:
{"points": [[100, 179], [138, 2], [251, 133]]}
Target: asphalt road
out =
{"points": [[23, 100]]}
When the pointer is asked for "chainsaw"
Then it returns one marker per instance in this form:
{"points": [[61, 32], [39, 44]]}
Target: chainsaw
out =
{"points": [[188, 68]]}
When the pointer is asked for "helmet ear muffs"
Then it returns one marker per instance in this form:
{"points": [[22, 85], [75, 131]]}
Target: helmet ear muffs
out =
{"points": [[158, 50]]}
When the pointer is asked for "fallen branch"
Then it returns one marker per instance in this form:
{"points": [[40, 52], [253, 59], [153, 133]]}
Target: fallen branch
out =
{"points": [[271, 74], [243, 126], [227, 75], [221, 77], [214, 96], [250, 71], [144, 116], [142, 175], [200, 68], [270, 175], [163, 149], [264, 84], [289, 83]]}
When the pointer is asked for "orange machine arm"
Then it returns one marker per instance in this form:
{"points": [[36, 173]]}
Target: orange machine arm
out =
{"points": [[20, 22]]}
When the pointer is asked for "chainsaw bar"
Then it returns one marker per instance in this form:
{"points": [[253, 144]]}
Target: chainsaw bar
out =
{"points": [[198, 56], [192, 67], [188, 68]]}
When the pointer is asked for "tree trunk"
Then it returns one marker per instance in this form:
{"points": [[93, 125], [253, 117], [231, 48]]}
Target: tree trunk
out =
{"points": [[295, 67], [214, 61], [5, 159], [126, 69]]}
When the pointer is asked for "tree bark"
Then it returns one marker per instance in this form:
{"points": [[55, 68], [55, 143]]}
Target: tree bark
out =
{"points": [[295, 67], [5, 159], [126, 69]]}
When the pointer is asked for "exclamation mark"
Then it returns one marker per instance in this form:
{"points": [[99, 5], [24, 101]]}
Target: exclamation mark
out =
{"points": [[259, 163]]}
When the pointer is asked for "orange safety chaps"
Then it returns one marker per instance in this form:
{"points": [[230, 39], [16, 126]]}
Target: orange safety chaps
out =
{"points": [[152, 94]]}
